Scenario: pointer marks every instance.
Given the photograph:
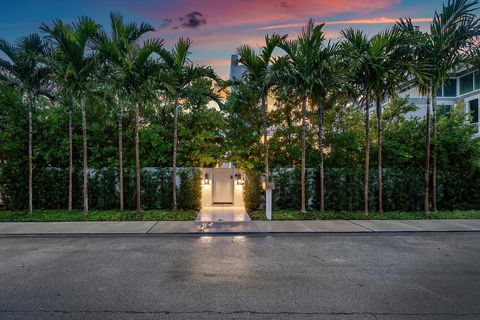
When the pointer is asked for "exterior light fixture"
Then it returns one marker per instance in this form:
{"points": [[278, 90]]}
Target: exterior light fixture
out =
{"points": [[264, 182], [206, 181], [238, 177]]}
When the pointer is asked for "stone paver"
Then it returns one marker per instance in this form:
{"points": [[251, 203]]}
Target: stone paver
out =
{"points": [[282, 226], [334, 226], [177, 227], [386, 225]]}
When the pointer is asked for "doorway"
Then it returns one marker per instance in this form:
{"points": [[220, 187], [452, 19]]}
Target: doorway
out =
{"points": [[223, 186]]}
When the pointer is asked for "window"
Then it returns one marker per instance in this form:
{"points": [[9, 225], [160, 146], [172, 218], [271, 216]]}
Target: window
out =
{"points": [[466, 83], [440, 92], [477, 80], [450, 88], [473, 107], [444, 110]]}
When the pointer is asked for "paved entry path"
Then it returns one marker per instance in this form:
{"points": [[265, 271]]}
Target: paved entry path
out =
{"points": [[223, 214]]}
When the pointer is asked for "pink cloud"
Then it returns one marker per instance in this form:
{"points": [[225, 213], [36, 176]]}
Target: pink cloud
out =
{"points": [[213, 62], [379, 20], [247, 12]]}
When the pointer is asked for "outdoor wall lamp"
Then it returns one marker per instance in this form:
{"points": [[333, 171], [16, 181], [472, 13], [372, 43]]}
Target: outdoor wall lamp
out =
{"points": [[238, 177], [206, 181]]}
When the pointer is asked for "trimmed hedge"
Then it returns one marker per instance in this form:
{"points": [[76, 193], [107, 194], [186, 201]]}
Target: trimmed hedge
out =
{"points": [[252, 191], [402, 190], [51, 188]]}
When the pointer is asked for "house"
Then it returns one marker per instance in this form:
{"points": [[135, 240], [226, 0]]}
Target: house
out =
{"points": [[462, 87]]}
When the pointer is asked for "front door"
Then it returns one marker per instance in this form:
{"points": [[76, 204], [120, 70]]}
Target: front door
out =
{"points": [[223, 186]]}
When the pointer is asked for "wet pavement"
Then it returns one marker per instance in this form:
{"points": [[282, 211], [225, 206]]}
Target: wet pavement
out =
{"points": [[289, 276], [223, 214]]}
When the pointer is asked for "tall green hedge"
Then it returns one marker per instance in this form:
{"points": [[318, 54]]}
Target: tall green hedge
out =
{"points": [[51, 188], [402, 190], [252, 190]]}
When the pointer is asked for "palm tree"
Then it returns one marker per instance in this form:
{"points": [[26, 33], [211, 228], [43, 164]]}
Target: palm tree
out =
{"points": [[113, 50], [329, 78], [134, 69], [453, 34], [258, 75], [78, 64], [357, 51], [178, 65], [390, 52], [26, 70], [301, 73]]}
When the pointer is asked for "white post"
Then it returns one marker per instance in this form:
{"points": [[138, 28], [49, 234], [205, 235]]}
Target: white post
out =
{"points": [[268, 206]]}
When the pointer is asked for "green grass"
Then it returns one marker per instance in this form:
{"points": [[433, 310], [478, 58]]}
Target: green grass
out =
{"points": [[347, 215], [76, 215]]}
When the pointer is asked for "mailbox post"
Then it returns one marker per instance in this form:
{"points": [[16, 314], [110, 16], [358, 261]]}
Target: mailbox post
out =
{"points": [[268, 187]]}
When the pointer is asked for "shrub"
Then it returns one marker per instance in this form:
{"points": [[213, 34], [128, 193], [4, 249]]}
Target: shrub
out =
{"points": [[51, 188], [252, 191]]}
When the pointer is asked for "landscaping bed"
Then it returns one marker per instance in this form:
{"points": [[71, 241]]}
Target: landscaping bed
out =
{"points": [[347, 215], [77, 215]]}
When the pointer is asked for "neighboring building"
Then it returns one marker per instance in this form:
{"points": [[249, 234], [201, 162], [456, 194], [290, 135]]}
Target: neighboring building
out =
{"points": [[236, 70], [463, 87]]}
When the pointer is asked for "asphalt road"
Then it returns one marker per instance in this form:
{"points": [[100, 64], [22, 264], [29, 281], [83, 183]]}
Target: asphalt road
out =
{"points": [[382, 276]]}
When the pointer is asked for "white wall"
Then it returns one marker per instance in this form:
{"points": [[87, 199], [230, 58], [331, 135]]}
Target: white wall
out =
{"points": [[207, 190]]}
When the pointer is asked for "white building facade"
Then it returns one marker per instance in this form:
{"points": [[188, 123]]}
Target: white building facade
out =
{"points": [[463, 88]]}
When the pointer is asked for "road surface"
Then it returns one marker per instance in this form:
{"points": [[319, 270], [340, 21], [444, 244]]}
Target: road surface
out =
{"points": [[336, 276]]}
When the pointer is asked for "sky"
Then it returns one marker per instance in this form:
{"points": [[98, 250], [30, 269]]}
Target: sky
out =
{"points": [[218, 27]]}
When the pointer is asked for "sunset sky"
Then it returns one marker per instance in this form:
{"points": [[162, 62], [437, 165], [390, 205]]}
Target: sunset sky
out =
{"points": [[219, 27]]}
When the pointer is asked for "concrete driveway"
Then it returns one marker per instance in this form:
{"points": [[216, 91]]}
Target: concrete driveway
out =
{"points": [[304, 276]]}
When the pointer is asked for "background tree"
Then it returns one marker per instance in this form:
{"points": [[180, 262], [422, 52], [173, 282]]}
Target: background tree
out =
{"points": [[26, 70], [302, 54], [357, 50], [453, 33], [113, 49], [258, 75], [179, 67], [135, 70], [390, 52], [72, 52], [329, 79]]}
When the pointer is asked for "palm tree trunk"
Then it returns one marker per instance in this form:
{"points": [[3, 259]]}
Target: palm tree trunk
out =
{"points": [[367, 152], [70, 157], [265, 136], [30, 166], [320, 144], [174, 169], [85, 156], [426, 176], [304, 132], [379, 156], [137, 160], [120, 151], [434, 154]]}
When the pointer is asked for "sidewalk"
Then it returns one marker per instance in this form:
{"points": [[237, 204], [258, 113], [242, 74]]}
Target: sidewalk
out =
{"points": [[250, 227]]}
